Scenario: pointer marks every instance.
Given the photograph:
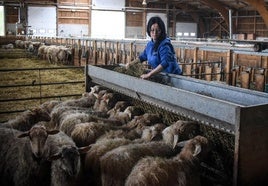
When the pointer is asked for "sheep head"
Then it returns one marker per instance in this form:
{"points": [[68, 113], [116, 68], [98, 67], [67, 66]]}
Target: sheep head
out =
{"points": [[195, 148], [38, 136]]}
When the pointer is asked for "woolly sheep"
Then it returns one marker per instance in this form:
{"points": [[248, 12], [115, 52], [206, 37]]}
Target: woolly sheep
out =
{"points": [[117, 163], [66, 164], [179, 131], [127, 115], [87, 133], [124, 158], [180, 170], [27, 119], [21, 159], [49, 105], [119, 106], [92, 159]]}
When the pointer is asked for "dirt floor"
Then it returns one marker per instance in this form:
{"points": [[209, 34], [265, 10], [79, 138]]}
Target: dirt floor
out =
{"points": [[33, 78]]}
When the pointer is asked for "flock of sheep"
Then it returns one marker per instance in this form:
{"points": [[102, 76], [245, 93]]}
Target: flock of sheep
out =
{"points": [[55, 54], [99, 139]]}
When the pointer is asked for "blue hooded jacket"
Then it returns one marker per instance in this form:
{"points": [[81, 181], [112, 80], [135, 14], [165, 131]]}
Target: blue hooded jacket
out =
{"points": [[165, 55]]}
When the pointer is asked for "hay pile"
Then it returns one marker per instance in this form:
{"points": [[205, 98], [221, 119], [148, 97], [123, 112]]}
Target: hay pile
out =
{"points": [[34, 77], [134, 70]]}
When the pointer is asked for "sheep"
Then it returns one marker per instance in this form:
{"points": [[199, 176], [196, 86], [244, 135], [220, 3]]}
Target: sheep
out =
{"points": [[8, 46], [27, 119], [64, 55], [128, 155], [92, 159], [22, 159], [179, 131], [119, 106], [103, 145], [52, 53], [117, 163], [128, 114], [59, 112], [87, 133], [66, 164], [49, 105], [180, 170]]}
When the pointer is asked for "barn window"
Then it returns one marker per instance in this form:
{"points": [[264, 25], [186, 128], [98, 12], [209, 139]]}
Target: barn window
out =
{"points": [[2, 21]]}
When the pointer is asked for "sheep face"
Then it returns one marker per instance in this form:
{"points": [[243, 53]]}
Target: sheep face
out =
{"points": [[38, 136], [70, 161]]}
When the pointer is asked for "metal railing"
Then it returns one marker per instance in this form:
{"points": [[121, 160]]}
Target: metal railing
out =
{"points": [[37, 84]]}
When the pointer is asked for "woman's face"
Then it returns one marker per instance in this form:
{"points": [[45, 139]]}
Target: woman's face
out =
{"points": [[155, 32]]}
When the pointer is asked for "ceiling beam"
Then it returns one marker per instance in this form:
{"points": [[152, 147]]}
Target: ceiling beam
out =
{"points": [[195, 16], [220, 7], [259, 5]]}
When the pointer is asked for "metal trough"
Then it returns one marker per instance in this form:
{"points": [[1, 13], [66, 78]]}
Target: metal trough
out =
{"points": [[238, 111]]}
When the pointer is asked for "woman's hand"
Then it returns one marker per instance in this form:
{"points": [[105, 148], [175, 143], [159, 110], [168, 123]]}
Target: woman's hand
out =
{"points": [[158, 69], [145, 76]]}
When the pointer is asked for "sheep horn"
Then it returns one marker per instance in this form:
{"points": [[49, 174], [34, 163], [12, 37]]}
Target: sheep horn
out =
{"points": [[175, 140], [24, 134], [83, 150], [197, 150], [52, 132]]}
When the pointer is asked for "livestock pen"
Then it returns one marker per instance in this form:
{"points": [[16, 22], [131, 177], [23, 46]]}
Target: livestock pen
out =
{"points": [[230, 122], [27, 82]]}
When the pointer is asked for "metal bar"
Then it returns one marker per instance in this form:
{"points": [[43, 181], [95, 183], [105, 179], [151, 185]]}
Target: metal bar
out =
{"points": [[45, 68], [41, 84], [243, 97], [190, 104], [43, 97]]}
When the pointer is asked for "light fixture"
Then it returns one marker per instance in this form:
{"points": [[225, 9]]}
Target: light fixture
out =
{"points": [[144, 3]]}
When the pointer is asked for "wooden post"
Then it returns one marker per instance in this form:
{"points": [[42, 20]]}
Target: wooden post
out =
{"points": [[228, 67], [208, 71], [245, 79], [95, 53], [234, 76], [259, 82]]}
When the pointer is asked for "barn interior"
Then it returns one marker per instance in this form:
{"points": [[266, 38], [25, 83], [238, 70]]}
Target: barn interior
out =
{"points": [[221, 46]]}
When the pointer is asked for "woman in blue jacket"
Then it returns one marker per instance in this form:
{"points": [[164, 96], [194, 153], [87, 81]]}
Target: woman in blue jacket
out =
{"points": [[159, 52]]}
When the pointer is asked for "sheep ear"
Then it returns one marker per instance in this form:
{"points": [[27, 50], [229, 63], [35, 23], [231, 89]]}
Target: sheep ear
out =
{"points": [[96, 95], [182, 143], [24, 134], [55, 157], [83, 150], [197, 150], [52, 132], [175, 140]]}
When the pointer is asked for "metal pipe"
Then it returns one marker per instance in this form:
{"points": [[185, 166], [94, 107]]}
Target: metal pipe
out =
{"points": [[230, 24]]}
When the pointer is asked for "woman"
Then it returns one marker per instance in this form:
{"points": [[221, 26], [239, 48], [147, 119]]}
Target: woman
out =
{"points": [[159, 51]]}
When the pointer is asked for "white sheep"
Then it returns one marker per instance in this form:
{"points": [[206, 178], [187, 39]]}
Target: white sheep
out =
{"points": [[104, 145], [117, 163], [125, 157], [179, 131], [25, 120], [181, 170], [22, 160]]}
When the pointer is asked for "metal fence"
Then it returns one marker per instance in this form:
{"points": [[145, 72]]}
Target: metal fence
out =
{"points": [[37, 83]]}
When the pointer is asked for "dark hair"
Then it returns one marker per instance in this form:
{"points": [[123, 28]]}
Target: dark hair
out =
{"points": [[162, 27]]}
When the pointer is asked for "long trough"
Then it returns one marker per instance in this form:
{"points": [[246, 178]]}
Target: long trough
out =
{"points": [[241, 112]]}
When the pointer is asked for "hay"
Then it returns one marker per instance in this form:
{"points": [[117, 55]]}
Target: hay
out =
{"points": [[134, 70], [34, 77]]}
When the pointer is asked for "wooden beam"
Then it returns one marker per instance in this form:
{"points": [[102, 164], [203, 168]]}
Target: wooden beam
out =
{"points": [[220, 7], [195, 16], [259, 5]]}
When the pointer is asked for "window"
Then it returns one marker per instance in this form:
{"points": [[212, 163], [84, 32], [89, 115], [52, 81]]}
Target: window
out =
{"points": [[2, 21]]}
